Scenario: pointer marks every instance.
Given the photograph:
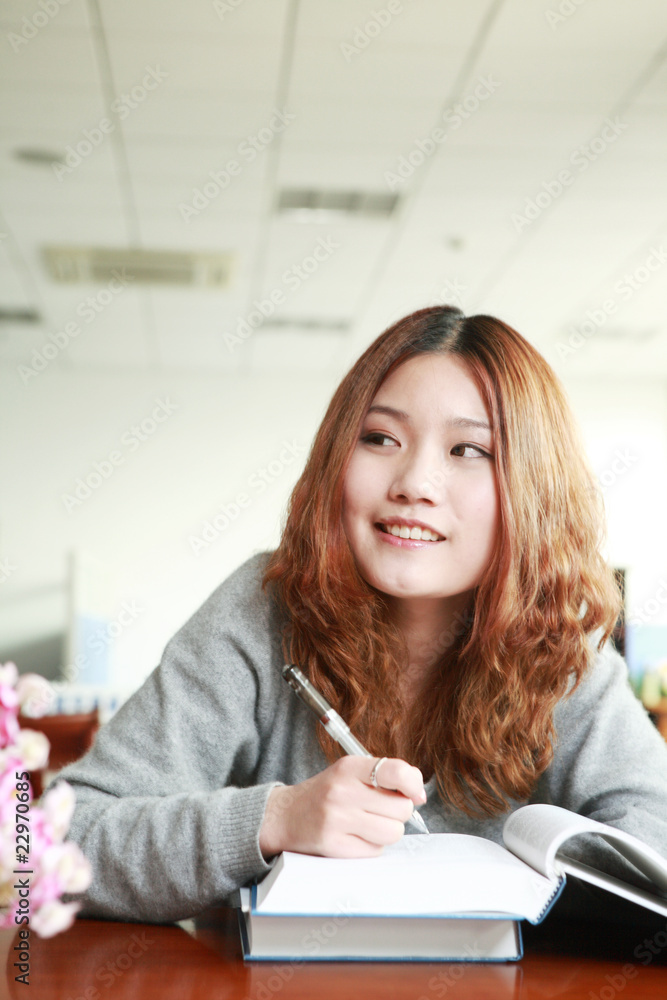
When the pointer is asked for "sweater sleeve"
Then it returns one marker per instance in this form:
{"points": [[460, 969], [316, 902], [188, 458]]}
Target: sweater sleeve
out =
{"points": [[169, 801], [610, 763]]}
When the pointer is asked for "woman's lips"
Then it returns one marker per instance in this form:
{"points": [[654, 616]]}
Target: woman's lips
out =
{"points": [[404, 543]]}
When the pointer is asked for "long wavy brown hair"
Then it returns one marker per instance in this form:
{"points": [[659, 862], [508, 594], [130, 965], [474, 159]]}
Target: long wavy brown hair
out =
{"points": [[484, 726]]}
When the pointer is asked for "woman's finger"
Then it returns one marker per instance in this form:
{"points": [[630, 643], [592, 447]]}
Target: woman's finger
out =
{"points": [[396, 775]]}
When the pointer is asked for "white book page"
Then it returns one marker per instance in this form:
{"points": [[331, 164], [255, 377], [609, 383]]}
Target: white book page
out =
{"points": [[535, 833], [438, 874], [614, 885]]}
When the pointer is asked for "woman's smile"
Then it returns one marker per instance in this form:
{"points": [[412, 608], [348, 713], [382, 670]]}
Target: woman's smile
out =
{"points": [[398, 527]]}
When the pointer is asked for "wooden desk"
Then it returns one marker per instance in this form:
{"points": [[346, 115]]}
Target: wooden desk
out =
{"points": [[96, 960]]}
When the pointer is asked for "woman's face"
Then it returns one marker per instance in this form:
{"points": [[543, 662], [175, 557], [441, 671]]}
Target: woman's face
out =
{"points": [[424, 459]]}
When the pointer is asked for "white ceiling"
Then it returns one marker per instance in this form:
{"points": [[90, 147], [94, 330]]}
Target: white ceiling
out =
{"points": [[228, 66]]}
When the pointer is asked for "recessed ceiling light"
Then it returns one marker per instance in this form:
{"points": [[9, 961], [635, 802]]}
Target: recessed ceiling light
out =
{"points": [[41, 157], [311, 205], [626, 333], [19, 315], [311, 323]]}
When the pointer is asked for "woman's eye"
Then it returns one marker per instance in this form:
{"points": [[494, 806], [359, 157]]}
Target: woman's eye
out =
{"points": [[376, 438], [469, 451]]}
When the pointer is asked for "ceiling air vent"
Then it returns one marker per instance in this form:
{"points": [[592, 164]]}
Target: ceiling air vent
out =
{"points": [[146, 267], [627, 333], [19, 315], [311, 325], [311, 205], [589, 332]]}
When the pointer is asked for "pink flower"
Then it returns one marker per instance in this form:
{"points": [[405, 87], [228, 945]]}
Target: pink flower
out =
{"points": [[7, 899], [9, 729], [55, 867], [58, 807], [9, 699], [9, 726], [41, 835], [7, 850], [33, 748], [35, 694], [10, 763], [8, 674], [44, 890], [54, 917], [67, 866]]}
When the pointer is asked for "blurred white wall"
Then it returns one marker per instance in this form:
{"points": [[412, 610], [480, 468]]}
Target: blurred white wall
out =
{"points": [[228, 453], [625, 429]]}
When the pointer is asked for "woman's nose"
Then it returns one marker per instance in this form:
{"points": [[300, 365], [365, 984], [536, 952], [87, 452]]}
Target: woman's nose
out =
{"points": [[420, 476]]}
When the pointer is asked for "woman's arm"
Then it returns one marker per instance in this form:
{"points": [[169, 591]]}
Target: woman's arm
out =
{"points": [[172, 799], [167, 810]]}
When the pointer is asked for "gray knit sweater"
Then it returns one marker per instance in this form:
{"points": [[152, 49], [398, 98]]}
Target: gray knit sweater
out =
{"points": [[171, 797]]}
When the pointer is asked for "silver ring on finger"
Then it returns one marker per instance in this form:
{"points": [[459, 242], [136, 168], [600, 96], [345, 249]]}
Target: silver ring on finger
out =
{"points": [[374, 773]]}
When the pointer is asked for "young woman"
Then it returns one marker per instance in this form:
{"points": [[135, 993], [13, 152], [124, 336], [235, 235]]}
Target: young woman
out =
{"points": [[439, 580]]}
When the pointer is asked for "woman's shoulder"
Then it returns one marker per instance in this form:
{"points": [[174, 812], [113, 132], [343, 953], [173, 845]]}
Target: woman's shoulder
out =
{"points": [[604, 690], [241, 590], [238, 612], [605, 663]]}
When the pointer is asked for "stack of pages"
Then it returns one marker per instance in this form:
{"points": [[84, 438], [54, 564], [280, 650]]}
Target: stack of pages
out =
{"points": [[441, 897]]}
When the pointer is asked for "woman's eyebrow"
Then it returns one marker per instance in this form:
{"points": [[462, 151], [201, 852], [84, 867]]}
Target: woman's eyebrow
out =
{"points": [[401, 415]]}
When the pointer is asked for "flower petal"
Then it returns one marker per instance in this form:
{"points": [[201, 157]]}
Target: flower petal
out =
{"points": [[35, 694], [53, 917], [33, 747], [58, 808]]}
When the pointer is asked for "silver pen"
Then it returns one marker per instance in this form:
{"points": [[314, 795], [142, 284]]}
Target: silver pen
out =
{"points": [[334, 725]]}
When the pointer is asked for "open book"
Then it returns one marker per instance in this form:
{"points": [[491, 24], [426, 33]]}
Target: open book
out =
{"points": [[442, 896]]}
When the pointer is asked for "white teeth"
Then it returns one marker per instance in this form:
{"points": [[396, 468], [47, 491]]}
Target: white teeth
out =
{"points": [[402, 531]]}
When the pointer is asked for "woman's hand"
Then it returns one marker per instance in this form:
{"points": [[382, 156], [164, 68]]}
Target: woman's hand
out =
{"points": [[338, 813]]}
